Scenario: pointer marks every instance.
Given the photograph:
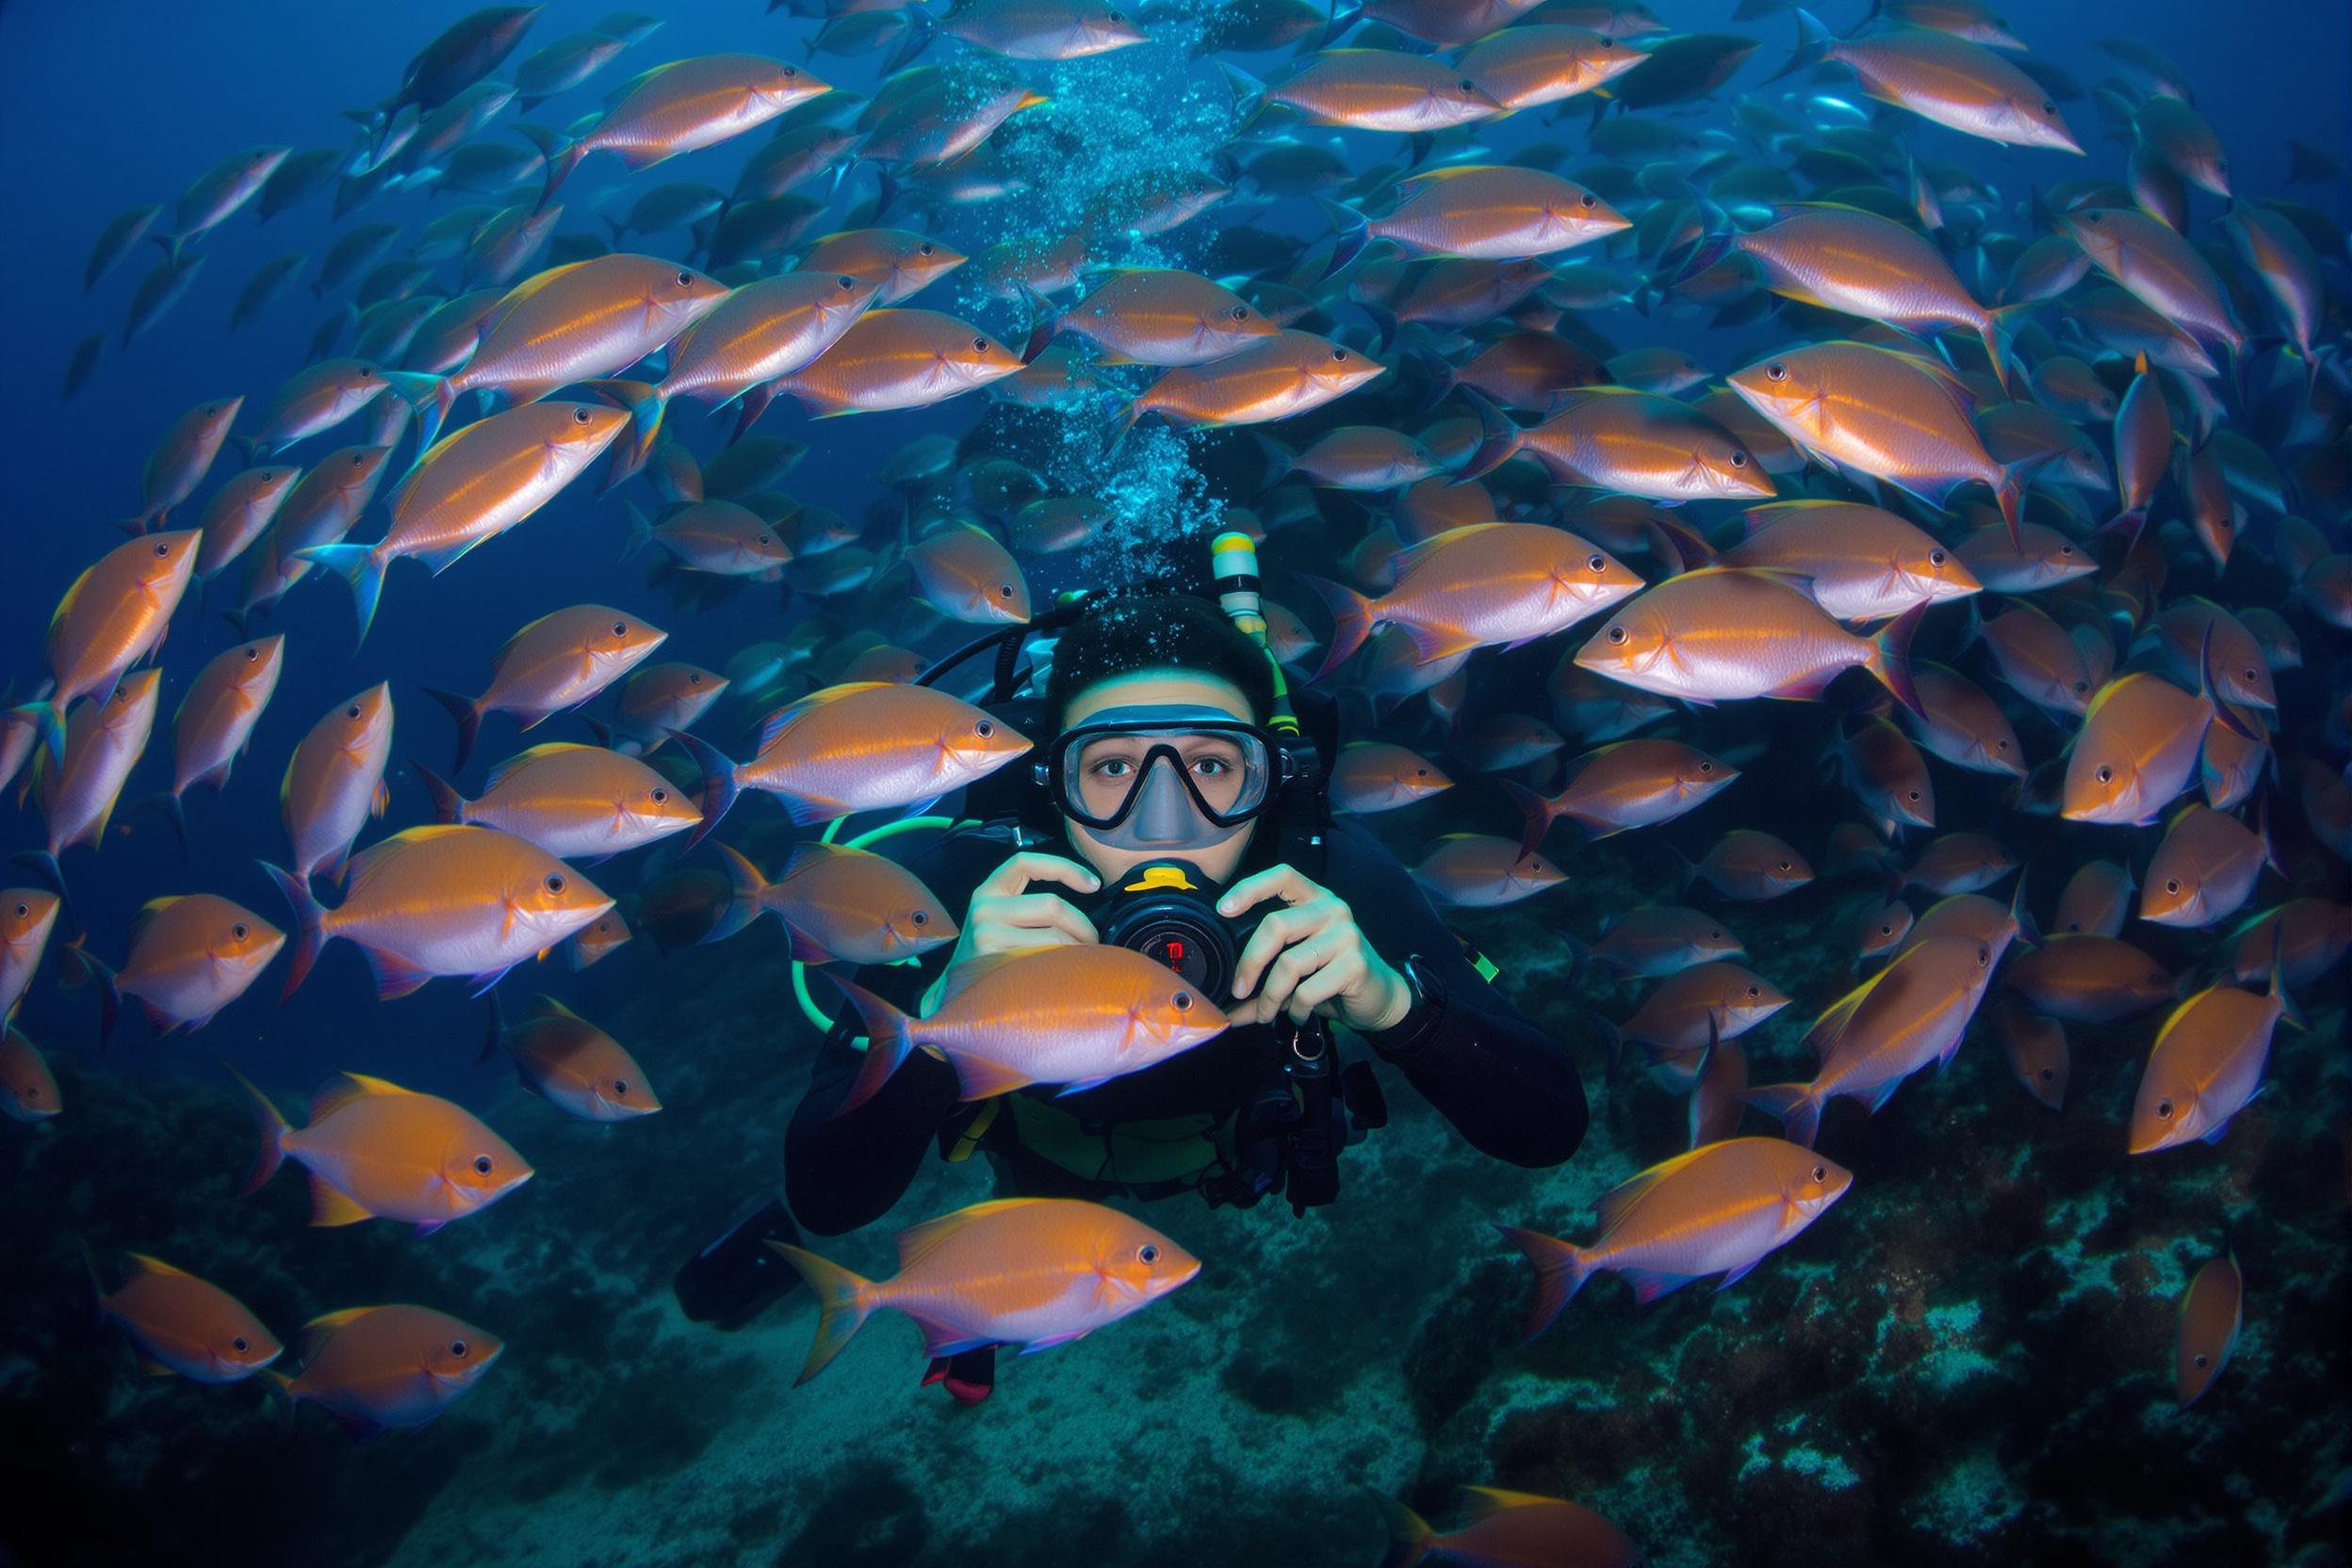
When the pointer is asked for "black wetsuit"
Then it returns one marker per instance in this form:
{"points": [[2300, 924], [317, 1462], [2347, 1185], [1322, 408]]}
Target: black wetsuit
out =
{"points": [[1504, 1083]]}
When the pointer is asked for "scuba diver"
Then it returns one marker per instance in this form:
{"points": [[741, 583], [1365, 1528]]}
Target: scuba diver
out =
{"points": [[1178, 809]]}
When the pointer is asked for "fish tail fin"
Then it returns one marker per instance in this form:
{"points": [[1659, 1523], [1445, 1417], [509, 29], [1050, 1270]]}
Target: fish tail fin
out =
{"points": [[41, 860], [1497, 438], [1890, 657], [1814, 43], [168, 806], [1351, 622], [2010, 492], [561, 158], [359, 565], [1249, 95], [645, 404], [1560, 1270], [745, 888], [2129, 523], [310, 933], [719, 788], [640, 529], [468, 719], [844, 1301], [1044, 322], [1793, 1106], [1537, 814], [1408, 1532], [448, 805], [48, 724], [78, 967], [890, 1040], [922, 28], [414, 387], [280, 1387], [433, 406], [1278, 460], [97, 1286], [1355, 233], [1342, 18], [273, 1127], [1999, 332], [1709, 248]]}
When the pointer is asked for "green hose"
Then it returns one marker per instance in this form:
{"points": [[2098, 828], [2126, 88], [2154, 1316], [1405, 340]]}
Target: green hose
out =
{"points": [[809, 1008]]}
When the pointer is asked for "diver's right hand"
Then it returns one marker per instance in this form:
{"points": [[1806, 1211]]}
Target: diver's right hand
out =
{"points": [[1004, 918]]}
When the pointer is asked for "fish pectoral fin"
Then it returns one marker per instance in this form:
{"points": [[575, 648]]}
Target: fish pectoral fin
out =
{"points": [[979, 1079], [155, 1368], [331, 1206], [426, 1227], [395, 977], [1736, 1275], [1650, 1284], [1805, 688], [1080, 1086], [1051, 1340]]}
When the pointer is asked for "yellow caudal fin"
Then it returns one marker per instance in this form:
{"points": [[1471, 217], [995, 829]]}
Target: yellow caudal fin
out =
{"points": [[844, 1303]]}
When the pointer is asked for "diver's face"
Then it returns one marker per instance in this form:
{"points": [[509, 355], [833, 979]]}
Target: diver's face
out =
{"points": [[1153, 688]]}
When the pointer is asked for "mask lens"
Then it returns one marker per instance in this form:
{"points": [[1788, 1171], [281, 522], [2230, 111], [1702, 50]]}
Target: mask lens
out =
{"points": [[1117, 775]]}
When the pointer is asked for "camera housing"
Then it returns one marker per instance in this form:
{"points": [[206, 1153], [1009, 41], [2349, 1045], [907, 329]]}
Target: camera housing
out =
{"points": [[1167, 910]]}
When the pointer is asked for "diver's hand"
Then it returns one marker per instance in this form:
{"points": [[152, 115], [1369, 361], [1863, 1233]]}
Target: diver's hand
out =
{"points": [[1004, 918], [1325, 964]]}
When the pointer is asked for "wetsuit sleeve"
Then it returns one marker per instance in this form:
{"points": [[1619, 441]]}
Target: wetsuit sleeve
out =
{"points": [[844, 1170], [1505, 1086]]}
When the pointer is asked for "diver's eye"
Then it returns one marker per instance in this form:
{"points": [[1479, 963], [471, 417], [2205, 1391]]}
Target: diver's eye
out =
{"points": [[1184, 1002], [555, 882], [1617, 634], [986, 728], [1147, 1252], [1820, 1173], [2163, 1110], [458, 1349], [923, 917], [579, 416], [1777, 371], [1738, 460], [2172, 884], [620, 1086], [482, 1165], [685, 279], [236, 932], [2105, 775], [1589, 199], [660, 795], [1934, 557]]}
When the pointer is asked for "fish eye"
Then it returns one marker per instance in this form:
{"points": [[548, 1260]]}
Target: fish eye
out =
{"points": [[1184, 1002], [661, 795], [1886, 928], [1339, 354], [2048, 1073], [162, 549], [979, 345], [1617, 633], [1777, 371], [1738, 460], [2201, 1359], [1147, 1252], [238, 1345], [1983, 956], [2106, 775], [2250, 676], [986, 728], [2093, 217], [2049, 107], [924, 249], [254, 652], [2066, 552], [23, 910], [1820, 1173], [923, 917], [2082, 686], [2001, 745], [1912, 794], [236, 932], [359, 460], [694, 679], [1934, 557], [579, 414], [555, 881], [457, 1349], [620, 1086], [1706, 766], [1753, 991], [1589, 199], [685, 279], [482, 1165], [1595, 561], [1784, 865], [2172, 884], [2163, 1110], [1241, 313], [352, 711], [1467, 85], [846, 281], [620, 629], [1715, 933]]}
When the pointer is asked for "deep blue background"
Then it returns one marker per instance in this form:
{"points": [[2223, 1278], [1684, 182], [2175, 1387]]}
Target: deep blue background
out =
{"points": [[104, 106]]}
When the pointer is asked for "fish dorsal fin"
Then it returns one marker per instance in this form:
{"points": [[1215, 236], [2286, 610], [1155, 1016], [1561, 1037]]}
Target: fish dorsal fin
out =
{"points": [[148, 911], [546, 748], [917, 1241], [1494, 1499], [1420, 177], [1409, 556], [791, 713], [1614, 1206], [972, 971], [145, 1265], [65, 604], [1822, 1036], [1758, 518], [369, 861], [809, 852], [319, 1330], [346, 1088], [544, 1006]]}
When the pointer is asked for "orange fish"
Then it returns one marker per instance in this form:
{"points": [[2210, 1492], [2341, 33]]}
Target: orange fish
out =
{"points": [[964, 575], [576, 802], [1694, 1009], [2211, 1310], [681, 108], [1521, 67], [443, 901], [899, 261], [558, 662], [1374, 776], [28, 1091], [2137, 750], [190, 956], [1509, 1530], [1478, 870], [1859, 562], [1077, 1016], [864, 747], [2205, 869], [2309, 936], [1500, 212], [373, 1148], [572, 1063], [1660, 940], [1635, 443], [657, 698], [2037, 1048], [1751, 865], [1942, 77], [2207, 1063], [114, 615], [599, 938], [378, 1367], [2088, 978], [902, 358], [1626, 785], [1157, 315], [1288, 374], [1716, 1210], [1036, 1272], [215, 722], [182, 1324], [182, 458], [839, 906], [1720, 633], [1369, 90], [103, 740], [335, 782], [2097, 898]]}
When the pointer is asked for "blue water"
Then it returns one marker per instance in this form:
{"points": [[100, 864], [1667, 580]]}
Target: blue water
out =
{"points": [[115, 103]]}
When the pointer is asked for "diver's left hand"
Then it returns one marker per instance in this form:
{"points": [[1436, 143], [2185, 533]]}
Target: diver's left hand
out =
{"points": [[1325, 964]]}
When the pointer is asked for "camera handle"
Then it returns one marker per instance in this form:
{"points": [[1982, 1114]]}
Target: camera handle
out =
{"points": [[1311, 1141]]}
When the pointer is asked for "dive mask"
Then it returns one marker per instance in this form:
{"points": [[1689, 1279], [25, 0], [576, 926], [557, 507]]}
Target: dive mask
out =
{"points": [[1162, 777]]}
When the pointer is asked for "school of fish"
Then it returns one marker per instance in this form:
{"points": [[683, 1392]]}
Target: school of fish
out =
{"points": [[2056, 460]]}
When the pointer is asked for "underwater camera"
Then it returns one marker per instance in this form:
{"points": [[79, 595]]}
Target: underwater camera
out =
{"points": [[1167, 910]]}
